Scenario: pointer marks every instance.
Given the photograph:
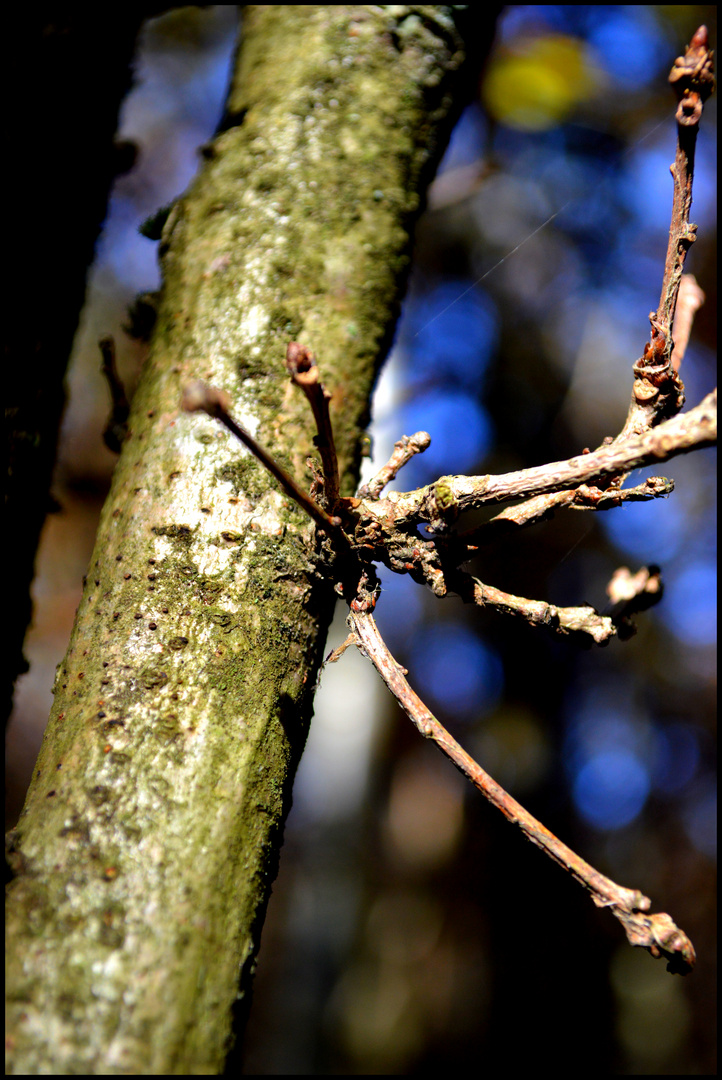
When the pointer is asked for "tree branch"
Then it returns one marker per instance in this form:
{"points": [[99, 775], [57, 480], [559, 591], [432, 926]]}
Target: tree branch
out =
{"points": [[656, 933], [642, 590], [146, 850], [693, 81], [542, 507], [302, 367], [658, 391], [386, 529], [440, 502]]}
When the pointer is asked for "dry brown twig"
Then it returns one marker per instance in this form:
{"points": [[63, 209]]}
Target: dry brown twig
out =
{"points": [[370, 528], [301, 365], [657, 389], [655, 932]]}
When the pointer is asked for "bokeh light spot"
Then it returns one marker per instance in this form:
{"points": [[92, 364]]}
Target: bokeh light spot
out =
{"points": [[700, 817], [454, 667], [611, 789], [649, 531], [537, 85], [451, 333], [461, 434], [676, 759], [689, 607]]}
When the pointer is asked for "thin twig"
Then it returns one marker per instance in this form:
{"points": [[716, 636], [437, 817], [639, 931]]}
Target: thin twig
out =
{"points": [[628, 588], [403, 451], [334, 656], [542, 507], [198, 396], [303, 370], [564, 620], [452, 494], [657, 933], [658, 391], [692, 79]]}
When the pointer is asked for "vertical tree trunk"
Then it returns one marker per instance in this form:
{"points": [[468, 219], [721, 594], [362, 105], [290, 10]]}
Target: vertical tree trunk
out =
{"points": [[150, 836]]}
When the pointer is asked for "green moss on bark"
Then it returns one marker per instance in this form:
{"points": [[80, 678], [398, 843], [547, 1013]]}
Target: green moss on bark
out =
{"points": [[150, 836]]}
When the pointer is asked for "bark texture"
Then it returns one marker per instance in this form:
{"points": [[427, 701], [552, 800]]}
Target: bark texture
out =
{"points": [[150, 836]]}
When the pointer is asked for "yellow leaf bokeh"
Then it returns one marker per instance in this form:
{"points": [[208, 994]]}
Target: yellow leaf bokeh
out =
{"points": [[538, 84]]}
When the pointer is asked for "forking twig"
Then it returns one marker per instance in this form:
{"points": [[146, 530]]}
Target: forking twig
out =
{"points": [[657, 933], [658, 391]]}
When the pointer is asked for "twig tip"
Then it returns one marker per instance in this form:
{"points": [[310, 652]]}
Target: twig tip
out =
{"points": [[299, 358], [699, 38]]}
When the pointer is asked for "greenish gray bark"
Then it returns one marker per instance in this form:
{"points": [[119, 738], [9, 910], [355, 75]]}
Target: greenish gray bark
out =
{"points": [[149, 840]]}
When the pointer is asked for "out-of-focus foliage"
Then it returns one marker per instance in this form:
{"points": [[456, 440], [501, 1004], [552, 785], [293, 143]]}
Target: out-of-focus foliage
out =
{"points": [[538, 83]]}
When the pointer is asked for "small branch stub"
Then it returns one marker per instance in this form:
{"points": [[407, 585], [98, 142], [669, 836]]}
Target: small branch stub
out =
{"points": [[404, 450], [301, 365], [199, 397]]}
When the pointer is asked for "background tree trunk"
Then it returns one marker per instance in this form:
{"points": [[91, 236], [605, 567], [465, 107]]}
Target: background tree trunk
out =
{"points": [[58, 60], [150, 836]]}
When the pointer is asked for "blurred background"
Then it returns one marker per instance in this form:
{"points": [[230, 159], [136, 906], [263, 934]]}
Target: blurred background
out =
{"points": [[410, 928]]}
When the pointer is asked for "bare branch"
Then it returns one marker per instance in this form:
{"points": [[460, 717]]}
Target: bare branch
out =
{"points": [[542, 507], [386, 529], [692, 79], [631, 593], [564, 620], [441, 501], [403, 451], [656, 933], [658, 391]]}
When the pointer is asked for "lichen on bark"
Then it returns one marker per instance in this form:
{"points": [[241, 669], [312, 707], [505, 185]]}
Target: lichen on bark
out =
{"points": [[150, 836]]}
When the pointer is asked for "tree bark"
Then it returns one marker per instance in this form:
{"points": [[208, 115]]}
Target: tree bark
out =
{"points": [[149, 840]]}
